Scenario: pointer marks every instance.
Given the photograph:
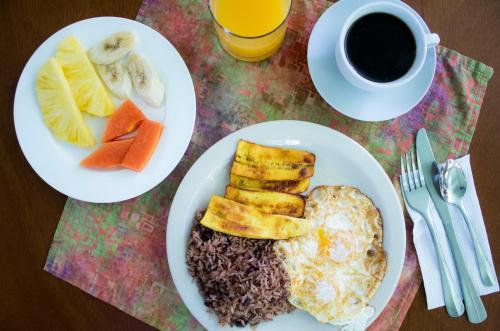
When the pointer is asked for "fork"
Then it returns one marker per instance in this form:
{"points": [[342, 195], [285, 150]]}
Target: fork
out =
{"points": [[418, 198]]}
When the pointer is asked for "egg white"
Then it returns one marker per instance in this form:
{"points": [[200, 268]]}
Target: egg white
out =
{"points": [[336, 268]]}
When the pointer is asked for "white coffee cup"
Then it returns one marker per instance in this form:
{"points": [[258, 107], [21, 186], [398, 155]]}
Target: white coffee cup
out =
{"points": [[423, 41]]}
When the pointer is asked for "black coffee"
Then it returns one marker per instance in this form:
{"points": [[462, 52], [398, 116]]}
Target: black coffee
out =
{"points": [[381, 47]]}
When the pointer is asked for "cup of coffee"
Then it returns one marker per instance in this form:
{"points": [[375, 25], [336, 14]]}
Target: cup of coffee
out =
{"points": [[382, 45]]}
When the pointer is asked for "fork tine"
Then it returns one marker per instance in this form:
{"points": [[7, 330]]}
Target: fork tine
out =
{"points": [[404, 178], [420, 171], [415, 171], [410, 172]]}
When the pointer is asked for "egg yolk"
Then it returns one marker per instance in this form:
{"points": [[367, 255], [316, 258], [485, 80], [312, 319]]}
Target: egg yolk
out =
{"points": [[336, 246], [323, 243]]}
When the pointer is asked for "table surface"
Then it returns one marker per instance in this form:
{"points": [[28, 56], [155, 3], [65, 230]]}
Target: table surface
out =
{"points": [[30, 209]]}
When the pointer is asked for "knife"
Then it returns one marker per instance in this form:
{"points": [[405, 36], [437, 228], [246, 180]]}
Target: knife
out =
{"points": [[473, 304]]}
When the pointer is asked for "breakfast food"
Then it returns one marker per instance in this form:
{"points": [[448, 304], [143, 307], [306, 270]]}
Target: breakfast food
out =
{"points": [[59, 109], [271, 163], [335, 269], [124, 120], [268, 201], [242, 280], [116, 78], [89, 92], [69, 84], [144, 145], [133, 153], [287, 186], [236, 266], [236, 219], [145, 79], [109, 56], [332, 260], [110, 155], [112, 48]]}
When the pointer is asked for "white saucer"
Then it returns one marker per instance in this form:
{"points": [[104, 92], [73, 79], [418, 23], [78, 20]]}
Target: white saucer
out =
{"points": [[345, 97]]}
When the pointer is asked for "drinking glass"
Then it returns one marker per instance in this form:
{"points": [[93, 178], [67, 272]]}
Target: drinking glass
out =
{"points": [[250, 30]]}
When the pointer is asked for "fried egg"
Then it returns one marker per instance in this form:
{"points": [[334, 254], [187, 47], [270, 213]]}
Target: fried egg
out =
{"points": [[336, 268]]}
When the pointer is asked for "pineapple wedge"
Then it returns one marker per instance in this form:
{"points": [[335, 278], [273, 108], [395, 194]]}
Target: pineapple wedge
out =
{"points": [[59, 108], [89, 92], [236, 219]]}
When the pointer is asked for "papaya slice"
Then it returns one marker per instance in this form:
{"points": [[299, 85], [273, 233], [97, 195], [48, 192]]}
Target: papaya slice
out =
{"points": [[144, 145], [124, 120], [110, 155]]}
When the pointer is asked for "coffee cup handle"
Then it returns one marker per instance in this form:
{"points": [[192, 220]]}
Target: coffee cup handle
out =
{"points": [[432, 39]]}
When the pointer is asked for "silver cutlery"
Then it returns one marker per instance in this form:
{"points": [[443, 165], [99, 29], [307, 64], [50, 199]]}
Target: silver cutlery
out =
{"points": [[476, 313], [417, 197], [453, 185]]}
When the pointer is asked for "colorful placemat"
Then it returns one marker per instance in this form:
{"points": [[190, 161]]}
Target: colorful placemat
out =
{"points": [[116, 252]]}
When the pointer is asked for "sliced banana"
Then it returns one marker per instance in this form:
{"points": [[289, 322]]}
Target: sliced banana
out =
{"points": [[145, 79], [116, 78], [112, 48]]}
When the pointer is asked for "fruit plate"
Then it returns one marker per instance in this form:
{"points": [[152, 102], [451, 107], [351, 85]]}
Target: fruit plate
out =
{"points": [[339, 161], [57, 162]]}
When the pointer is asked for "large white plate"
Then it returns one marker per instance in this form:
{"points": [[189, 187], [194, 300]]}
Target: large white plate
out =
{"points": [[57, 162], [342, 95], [339, 160]]}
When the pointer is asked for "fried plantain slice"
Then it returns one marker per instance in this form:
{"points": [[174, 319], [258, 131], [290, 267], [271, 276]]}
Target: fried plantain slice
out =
{"points": [[287, 186], [268, 201], [233, 218], [271, 163]]}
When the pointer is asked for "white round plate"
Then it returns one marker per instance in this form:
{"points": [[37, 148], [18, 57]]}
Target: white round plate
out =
{"points": [[339, 161], [57, 162], [342, 95]]}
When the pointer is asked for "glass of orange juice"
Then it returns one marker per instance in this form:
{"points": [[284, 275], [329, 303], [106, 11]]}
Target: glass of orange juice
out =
{"points": [[250, 30]]}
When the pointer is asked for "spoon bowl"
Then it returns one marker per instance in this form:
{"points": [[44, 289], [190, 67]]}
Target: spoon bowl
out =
{"points": [[453, 186], [452, 182]]}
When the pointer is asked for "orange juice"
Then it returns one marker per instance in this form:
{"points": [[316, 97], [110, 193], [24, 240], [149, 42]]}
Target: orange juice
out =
{"points": [[250, 30]]}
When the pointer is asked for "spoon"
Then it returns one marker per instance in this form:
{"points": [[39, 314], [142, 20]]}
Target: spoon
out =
{"points": [[453, 185]]}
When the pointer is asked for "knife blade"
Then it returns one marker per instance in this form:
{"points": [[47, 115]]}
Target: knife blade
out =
{"points": [[476, 313]]}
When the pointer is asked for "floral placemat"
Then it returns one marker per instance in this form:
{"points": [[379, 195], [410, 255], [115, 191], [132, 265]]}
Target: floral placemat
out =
{"points": [[116, 252]]}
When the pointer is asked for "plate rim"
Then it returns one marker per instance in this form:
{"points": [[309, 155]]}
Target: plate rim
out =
{"points": [[176, 207], [119, 196]]}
